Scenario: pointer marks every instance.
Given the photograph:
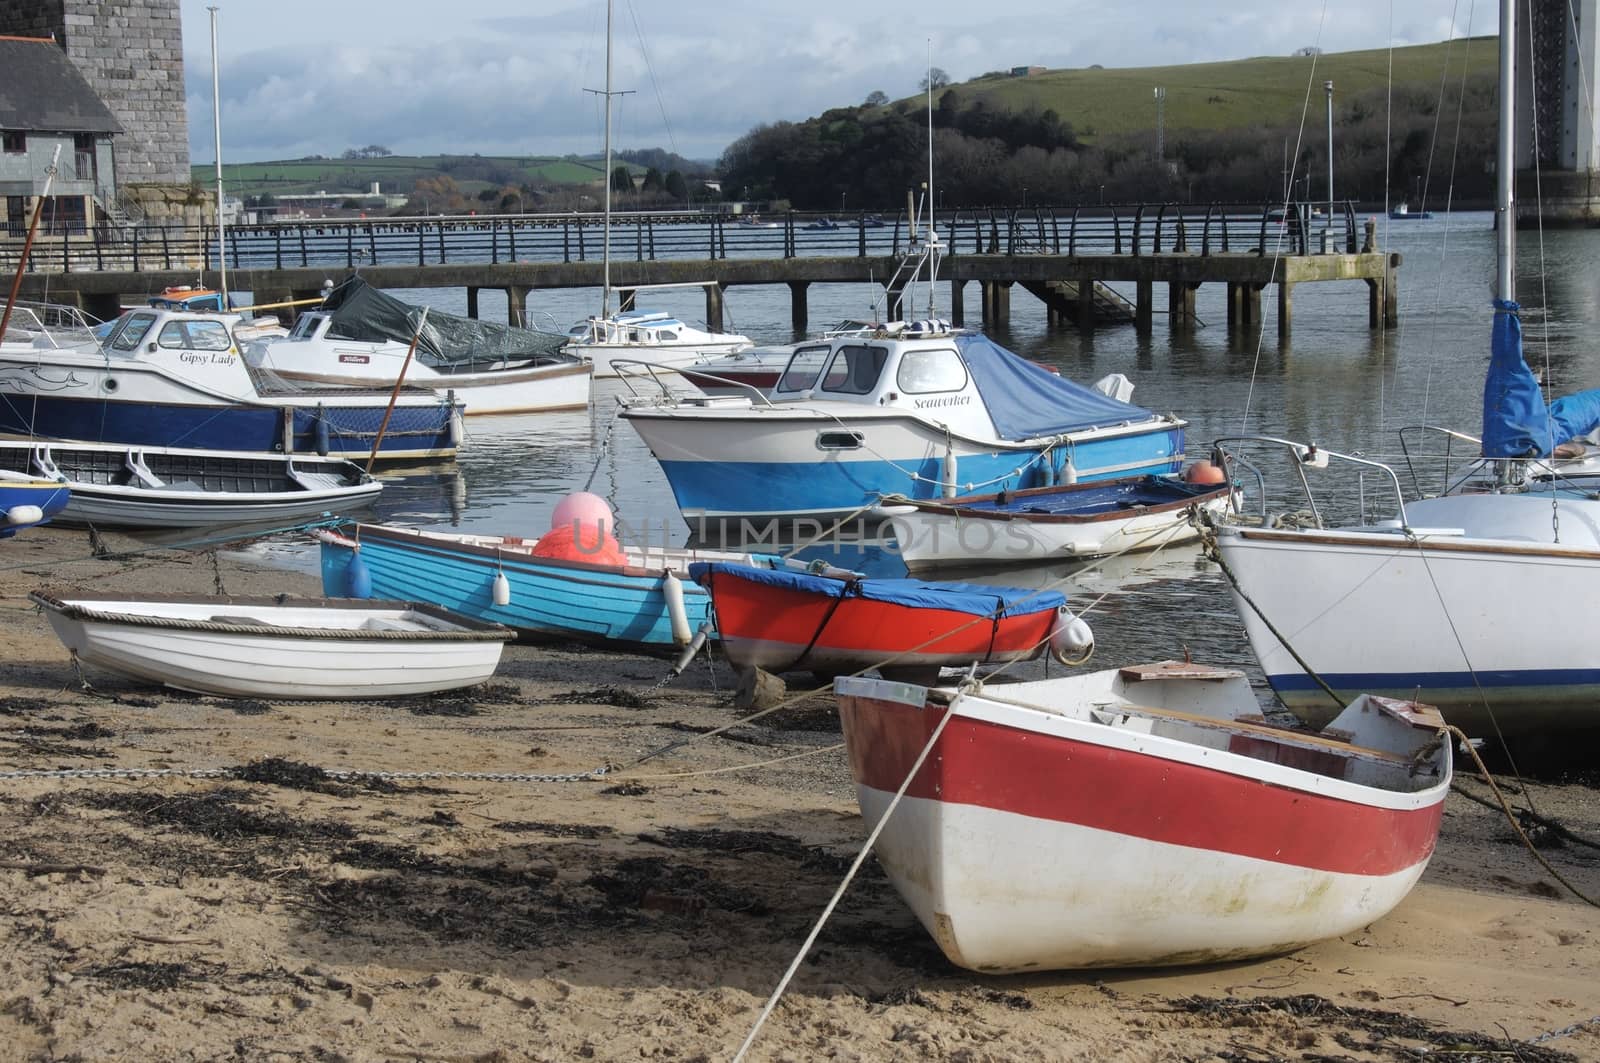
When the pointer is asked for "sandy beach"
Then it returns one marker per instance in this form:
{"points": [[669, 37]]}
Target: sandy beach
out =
{"points": [[281, 914]]}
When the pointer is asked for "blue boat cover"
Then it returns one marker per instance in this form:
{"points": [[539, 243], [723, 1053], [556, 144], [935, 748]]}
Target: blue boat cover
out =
{"points": [[971, 598], [1516, 421], [1026, 401]]}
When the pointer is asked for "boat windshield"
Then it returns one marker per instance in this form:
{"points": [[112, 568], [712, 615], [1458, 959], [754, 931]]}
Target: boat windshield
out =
{"points": [[855, 369], [804, 365], [134, 326]]}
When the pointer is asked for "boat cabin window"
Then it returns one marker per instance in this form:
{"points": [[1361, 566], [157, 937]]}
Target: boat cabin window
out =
{"points": [[132, 331], [923, 371], [195, 336], [305, 328], [804, 365], [854, 369], [669, 337]]}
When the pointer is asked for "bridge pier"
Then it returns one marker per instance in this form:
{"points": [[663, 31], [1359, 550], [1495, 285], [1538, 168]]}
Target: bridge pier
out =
{"points": [[1285, 308], [797, 304], [1143, 311], [472, 302], [625, 300], [713, 307], [516, 305], [1086, 304], [1180, 303], [996, 304], [958, 303]]}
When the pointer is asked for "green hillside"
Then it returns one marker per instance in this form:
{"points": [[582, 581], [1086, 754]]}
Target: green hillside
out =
{"points": [[397, 173], [1264, 91]]}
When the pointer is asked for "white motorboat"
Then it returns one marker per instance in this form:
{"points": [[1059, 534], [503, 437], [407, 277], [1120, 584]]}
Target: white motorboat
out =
{"points": [[1143, 816], [277, 647], [114, 485], [174, 378], [361, 337]]}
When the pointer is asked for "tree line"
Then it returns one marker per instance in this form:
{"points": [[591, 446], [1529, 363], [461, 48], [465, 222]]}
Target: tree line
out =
{"points": [[1401, 145]]}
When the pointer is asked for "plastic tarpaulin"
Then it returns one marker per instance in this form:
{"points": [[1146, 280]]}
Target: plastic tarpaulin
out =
{"points": [[1026, 402], [362, 312], [970, 598], [1516, 421]]}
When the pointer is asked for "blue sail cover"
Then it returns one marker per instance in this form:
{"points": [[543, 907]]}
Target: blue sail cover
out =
{"points": [[1026, 402], [1516, 421]]}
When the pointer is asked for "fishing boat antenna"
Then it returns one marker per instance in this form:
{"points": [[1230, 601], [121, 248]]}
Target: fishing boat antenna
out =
{"points": [[216, 128]]}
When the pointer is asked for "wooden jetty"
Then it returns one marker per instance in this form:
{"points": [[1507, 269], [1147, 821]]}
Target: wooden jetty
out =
{"points": [[1067, 257]]}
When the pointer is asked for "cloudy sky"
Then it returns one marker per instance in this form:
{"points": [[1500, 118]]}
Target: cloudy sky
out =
{"points": [[303, 77]]}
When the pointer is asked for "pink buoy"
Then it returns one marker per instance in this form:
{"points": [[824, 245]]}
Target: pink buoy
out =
{"points": [[1204, 472], [587, 510]]}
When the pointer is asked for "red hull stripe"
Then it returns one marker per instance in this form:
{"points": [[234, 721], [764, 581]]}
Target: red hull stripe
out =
{"points": [[869, 629], [1047, 777]]}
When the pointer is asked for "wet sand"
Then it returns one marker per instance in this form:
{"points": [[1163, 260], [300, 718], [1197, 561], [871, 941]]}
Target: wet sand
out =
{"points": [[283, 914]]}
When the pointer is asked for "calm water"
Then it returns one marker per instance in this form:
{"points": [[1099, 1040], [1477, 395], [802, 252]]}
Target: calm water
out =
{"points": [[1334, 381]]}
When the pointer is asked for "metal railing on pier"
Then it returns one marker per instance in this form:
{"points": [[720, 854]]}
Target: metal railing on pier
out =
{"points": [[1110, 229]]}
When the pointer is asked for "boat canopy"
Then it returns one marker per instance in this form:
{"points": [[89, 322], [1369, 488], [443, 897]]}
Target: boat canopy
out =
{"points": [[1026, 401], [1516, 421], [362, 312], [971, 598]]}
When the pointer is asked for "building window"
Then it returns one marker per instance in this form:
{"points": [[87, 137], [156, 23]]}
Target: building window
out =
{"points": [[14, 143]]}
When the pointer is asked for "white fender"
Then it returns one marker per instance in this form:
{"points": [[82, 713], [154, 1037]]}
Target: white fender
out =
{"points": [[24, 515], [949, 473], [677, 614], [1071, 640], [502, 589]]}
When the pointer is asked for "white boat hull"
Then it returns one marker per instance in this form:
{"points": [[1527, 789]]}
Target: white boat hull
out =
{"points": [[1101, 820], [298, 650], [530, 389], [604, 356], [1462, 623], [929, 539]]}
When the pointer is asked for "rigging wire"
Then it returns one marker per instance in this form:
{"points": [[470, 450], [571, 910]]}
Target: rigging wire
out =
{"points": [[1283, 224]]}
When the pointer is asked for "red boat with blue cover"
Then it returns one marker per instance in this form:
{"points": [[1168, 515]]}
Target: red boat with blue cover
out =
{"points": [[834, 621]]}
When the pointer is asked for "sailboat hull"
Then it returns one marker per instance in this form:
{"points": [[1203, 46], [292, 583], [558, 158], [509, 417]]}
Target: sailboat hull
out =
{"points": [[1430, 618]]}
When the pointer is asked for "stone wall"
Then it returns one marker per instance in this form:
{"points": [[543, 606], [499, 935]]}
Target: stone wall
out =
{"points": [[131, 52]]}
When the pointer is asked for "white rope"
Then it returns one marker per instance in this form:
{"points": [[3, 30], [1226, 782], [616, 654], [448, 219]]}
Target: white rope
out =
{"points": [[838, 894]]}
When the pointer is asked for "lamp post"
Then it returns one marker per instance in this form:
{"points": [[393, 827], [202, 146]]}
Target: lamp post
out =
{"points": [[1328, 88]]}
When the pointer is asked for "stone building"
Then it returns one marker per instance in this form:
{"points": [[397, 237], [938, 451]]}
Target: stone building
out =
{"points": [[131, 53], [47, 107]]}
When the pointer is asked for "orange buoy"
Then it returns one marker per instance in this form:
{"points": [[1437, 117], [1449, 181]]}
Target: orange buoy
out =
{"points": [[1203, 472]]}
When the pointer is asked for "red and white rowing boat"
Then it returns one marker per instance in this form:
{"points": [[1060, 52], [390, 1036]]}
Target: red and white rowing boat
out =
{"points": [[1142, 816], [782, 620]]}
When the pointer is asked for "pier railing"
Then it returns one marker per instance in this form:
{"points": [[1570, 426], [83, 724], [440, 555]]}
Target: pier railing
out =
{"points": [[1111, 229]]}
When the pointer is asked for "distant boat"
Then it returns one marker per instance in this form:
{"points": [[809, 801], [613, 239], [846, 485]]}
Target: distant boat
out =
{"points": [[278, 647], [361, 337], [116, 485], [1404, 213], [1143, 816], [26, 502]]}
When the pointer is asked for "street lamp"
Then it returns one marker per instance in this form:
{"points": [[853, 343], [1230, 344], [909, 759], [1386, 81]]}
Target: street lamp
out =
{"points": [[1328, 87]]}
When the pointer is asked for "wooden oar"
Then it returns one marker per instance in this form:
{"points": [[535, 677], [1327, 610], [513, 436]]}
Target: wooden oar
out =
{"points": [[395, 394]]}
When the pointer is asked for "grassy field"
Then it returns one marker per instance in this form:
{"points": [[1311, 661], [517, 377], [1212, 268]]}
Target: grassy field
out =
{"points": [[1238, 94], [1241, 93], [396, 173]]}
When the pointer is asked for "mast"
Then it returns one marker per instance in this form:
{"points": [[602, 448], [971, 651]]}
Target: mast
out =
{"points": [[933, 236], [1506, 161], [216, 125], [605, 288]]}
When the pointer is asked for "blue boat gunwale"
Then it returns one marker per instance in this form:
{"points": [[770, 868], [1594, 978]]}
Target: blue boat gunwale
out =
{"points": [[965, 506], [520, 552]]}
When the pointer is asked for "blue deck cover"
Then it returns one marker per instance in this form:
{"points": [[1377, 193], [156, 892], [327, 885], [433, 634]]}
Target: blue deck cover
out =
{"points": [[1026, 402], [971, 598]]}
